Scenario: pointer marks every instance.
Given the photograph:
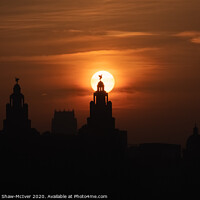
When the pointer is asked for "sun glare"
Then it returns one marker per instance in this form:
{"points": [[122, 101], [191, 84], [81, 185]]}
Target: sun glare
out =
{"points": [[107, 79]]}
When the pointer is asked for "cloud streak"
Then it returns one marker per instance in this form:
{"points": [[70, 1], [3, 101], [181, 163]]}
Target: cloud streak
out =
{"points": [[193, 36]]}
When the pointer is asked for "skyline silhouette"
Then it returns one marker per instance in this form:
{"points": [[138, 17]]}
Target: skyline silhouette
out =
{"points": [[94, 159], [152, 51], [99, 116], [105, 99]]}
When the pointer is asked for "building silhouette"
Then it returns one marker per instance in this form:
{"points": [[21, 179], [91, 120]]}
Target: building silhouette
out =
{"points": [[101, 110], [64, 123], [17, 113], [101, 123]]}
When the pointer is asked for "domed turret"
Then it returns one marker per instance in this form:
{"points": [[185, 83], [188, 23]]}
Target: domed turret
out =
{"points": [[17, 98], [17, 88], [100, 86]]}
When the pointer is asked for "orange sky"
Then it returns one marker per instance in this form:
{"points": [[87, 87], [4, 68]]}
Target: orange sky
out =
{"points": [[152, 48]]}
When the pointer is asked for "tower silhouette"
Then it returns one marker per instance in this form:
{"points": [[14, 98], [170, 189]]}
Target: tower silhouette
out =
{"points": [[16, 113], [101, 125], [101, 110]]}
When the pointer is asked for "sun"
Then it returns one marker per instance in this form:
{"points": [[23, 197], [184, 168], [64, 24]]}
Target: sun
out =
{"points": [[107, 79]]}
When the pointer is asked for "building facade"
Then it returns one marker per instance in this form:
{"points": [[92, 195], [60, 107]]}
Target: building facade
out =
{"points": [[64, 123]]}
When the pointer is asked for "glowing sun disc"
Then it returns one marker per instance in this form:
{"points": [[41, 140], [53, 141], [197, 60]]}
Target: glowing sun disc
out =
{"points": [[107, 79]]}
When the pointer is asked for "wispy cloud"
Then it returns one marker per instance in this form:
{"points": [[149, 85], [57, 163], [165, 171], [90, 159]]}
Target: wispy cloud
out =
{"points": [[62, 57], [196, 40], [193, 36], [66, 92], [128, 34]]}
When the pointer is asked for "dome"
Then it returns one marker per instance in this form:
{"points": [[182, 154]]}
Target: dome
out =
{"points": [[100, 84]]}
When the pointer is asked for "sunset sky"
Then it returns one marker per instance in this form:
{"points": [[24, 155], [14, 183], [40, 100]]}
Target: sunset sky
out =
{"points": [[151, 47]]}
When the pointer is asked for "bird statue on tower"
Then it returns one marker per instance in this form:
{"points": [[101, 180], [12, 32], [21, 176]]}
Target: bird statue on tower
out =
{"points": [[100, 77]]}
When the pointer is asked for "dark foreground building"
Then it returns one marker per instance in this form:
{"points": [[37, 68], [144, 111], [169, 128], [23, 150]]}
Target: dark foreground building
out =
{"points": [[64, 123]]}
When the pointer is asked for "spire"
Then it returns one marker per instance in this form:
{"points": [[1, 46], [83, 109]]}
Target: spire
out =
{"points": [[195, 129]]}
